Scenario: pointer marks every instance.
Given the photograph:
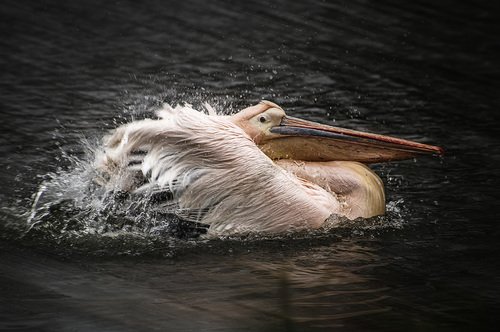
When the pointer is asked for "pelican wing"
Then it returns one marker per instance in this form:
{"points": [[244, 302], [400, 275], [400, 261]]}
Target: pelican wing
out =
{"points": [[213, 172]]}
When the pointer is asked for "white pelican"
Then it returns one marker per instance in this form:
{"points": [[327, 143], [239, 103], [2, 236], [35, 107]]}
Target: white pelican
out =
{"points": [[256, 171]]}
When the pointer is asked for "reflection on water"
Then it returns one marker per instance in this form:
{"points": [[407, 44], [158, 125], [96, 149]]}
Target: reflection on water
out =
{"points": [[422, 71], [317, 288]]}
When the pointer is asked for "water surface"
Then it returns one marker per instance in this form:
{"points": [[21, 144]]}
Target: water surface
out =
{"points": [[420, 71]]}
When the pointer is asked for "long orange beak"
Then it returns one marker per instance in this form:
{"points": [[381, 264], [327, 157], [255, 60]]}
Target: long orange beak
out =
{"points": [[304, 140]]}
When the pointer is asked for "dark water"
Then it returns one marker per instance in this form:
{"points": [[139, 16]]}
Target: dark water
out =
{"points": [[419, 70]]}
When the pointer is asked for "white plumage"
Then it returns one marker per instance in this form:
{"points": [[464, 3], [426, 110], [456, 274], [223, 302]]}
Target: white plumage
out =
{"points": [[214, 171]]}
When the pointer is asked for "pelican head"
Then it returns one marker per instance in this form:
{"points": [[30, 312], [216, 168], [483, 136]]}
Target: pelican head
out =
{"points": [[281, 136], [259, 120]]}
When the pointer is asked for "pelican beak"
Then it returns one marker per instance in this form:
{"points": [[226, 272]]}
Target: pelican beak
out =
{"points": [[304, 140]]}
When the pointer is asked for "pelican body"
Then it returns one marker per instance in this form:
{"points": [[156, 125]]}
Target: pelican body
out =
{"points": [[258, 170]]}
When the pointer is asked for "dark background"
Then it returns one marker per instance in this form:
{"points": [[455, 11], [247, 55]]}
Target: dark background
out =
{"points": [[418, 70]]}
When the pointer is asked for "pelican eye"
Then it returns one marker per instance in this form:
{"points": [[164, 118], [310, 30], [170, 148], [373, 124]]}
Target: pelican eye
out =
{"points": [[262, 119]]}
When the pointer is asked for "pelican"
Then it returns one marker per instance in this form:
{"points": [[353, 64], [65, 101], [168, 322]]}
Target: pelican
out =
{"points": [[258, 170]]}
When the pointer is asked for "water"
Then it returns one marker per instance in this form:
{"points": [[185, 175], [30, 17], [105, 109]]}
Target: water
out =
{"points": [[421, 71]]}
